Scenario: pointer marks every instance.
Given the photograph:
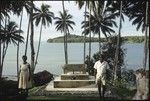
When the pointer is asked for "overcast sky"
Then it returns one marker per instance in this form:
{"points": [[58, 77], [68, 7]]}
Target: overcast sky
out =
{"points": [[56, 6]]}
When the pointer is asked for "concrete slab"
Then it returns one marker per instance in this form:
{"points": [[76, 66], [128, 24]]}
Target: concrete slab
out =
{"points": [[74, 77], [58, 83], [50, 87]]}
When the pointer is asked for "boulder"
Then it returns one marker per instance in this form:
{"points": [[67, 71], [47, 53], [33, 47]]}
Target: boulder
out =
{"points": [[42, 78]]}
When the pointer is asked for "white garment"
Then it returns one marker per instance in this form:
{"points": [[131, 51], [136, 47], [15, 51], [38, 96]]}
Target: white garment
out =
{"points": [[24, 76], [101, 71]]}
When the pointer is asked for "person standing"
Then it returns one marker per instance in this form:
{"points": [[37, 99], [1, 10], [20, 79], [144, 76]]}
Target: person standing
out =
{"points": [[100, 67], [24, 75]]}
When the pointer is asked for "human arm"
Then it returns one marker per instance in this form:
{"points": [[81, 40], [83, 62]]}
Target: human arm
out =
{"points": [[29, 71], [19, 70], [95, 70]]}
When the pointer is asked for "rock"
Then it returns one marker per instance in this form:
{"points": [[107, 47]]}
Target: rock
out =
{"points": [[142, 80], [42, 78]]}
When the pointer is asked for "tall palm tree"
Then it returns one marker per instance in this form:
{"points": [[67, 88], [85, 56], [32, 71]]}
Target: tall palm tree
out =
{"points": [[118, 8], [17, 8], [91, 5], [116, 67], [65, 37], [32, 39], [4, 16], [146, 46], [45, 17], [137, 11], [63, 24], [80, 5], [100, 23], [9, 35]]}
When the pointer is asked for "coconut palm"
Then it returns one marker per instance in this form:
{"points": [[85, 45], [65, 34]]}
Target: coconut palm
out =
{"points": [[10, 34], [137, 11], [80, 5], [64, 24], [92, 6], [45, 17], [17, 8], [100, 23], [118, 48]]}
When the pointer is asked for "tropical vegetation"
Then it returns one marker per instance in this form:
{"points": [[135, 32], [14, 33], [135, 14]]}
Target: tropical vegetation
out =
{"points": [[99, 18], [80, 39]]}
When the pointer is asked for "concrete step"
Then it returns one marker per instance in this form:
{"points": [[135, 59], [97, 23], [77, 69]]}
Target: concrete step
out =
{"points": [[58, 83], [74, 77]]}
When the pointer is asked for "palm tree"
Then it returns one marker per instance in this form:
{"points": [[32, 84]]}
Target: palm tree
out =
{"points": [[118, 47], [65, 37], [10, 34], [91, 5], [80, 5], [63, 24], [100, 23], [32, 39], [5, 10], [118, 8], [45, 17], [146, 46], [17, 8], [137, 11]]}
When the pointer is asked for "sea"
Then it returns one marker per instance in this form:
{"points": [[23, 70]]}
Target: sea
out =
{"points": [[51, 56]]}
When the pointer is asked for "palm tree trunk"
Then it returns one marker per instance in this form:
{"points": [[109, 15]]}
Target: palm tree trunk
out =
{"points": [[5, 47], [38, 46], [0, 57], [84, 38], [65, 36], [66, 47], [18, 44], [146, 39], [90, 37], [99, 38], [118, 48], [0, 60], [3, 51], [32, 41], [26, 47]]}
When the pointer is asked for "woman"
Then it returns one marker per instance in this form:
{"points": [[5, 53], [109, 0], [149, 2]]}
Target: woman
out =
{"points": [[24, 75]]}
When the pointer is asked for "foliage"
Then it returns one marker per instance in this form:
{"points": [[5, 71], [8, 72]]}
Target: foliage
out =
{"points": [[136, 11], [43, 15], [121, 89], [90, 65], [10, 34], [133, 39], [64, 22], [129, 76], [72, 38], [100, 22], [108, 50]]}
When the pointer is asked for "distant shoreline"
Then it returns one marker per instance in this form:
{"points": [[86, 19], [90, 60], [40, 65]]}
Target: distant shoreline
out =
{"points": [[80, 39]]}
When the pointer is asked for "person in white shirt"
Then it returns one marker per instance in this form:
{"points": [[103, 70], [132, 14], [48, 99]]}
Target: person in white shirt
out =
{"points": [[100, 67]]}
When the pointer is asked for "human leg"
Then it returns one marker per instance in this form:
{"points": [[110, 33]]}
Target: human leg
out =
{"points": [[99, 87], [104, 89]]}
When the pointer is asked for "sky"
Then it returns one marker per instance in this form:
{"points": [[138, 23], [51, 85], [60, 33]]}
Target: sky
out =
{"points": [[56, 7]]}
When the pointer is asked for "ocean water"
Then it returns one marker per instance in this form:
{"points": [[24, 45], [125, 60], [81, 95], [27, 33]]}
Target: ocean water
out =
{"points": [[51, 56]]}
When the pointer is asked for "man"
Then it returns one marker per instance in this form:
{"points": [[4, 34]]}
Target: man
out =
{"points": [[100, 70]]}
